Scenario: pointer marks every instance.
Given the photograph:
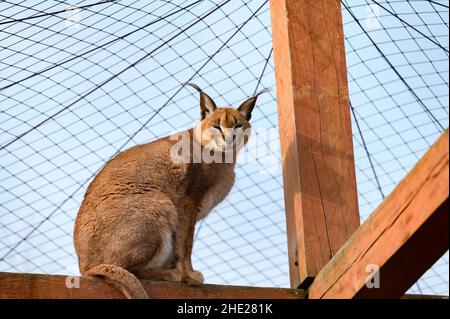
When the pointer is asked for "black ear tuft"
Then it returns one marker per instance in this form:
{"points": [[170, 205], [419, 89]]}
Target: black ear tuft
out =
{"points": [[247, 106], [207, 104]]}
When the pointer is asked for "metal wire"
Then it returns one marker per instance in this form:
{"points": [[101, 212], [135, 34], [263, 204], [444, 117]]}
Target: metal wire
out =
{"points": [[73, 93]]}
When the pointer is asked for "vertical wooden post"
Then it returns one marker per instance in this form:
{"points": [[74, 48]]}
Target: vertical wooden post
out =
{"points": [[315, 128]]}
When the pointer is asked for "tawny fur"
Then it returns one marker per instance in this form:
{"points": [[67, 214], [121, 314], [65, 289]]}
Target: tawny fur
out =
{"points": [[138, 215]]}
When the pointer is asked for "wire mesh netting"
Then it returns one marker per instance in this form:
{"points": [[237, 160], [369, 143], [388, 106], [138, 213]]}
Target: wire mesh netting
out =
{"points": [[81, 81]]}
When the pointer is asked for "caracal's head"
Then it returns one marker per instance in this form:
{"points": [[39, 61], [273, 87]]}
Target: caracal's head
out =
{"points": [[224, 129]]}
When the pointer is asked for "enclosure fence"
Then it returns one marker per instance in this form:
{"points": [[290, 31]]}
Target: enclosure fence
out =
{"points": [[81, 81]]}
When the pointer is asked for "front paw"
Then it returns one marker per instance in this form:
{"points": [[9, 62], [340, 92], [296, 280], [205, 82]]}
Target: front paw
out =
{"points": [[193, 278]]}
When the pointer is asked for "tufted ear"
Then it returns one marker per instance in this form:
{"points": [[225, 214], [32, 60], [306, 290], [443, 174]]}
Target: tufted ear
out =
{"points": [[207, 104], [247, 106]]}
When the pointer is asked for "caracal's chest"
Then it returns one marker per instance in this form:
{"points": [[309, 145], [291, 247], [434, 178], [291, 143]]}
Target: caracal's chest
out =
{"points": [[212, 186]]}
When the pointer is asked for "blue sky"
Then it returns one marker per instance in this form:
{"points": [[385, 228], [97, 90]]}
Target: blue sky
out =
{"points": [[44, 174]]}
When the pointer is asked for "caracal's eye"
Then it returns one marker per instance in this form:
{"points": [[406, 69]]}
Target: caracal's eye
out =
{"points": [[238, 126], [217, 127]]}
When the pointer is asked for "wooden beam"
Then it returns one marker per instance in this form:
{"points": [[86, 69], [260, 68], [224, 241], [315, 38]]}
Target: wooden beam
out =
{"points": [[404, 237], [315, 128], [31, 286]]}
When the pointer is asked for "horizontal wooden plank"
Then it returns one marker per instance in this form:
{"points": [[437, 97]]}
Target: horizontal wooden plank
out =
{"points": [[405, 236], [38, 286]]}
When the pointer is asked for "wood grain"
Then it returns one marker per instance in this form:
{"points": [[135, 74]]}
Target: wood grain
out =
{"points": [[316, 139], [404, 237], [37, 286]]}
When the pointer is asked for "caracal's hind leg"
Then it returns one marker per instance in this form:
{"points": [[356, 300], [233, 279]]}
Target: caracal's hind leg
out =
{"points": [[159, 274]]}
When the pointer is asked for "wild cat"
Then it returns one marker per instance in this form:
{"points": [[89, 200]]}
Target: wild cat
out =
{"points": [[138, 215]]}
